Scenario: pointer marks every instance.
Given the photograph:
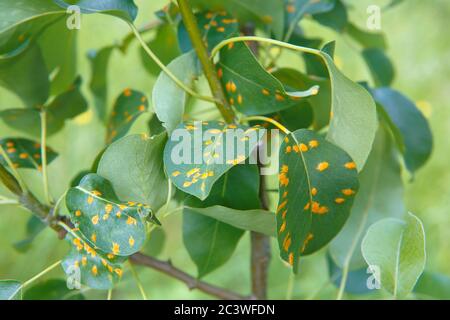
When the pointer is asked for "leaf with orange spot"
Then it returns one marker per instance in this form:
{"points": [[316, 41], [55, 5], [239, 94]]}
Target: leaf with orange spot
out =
{"points": [[24, 153], [199, 153], [89, 265], [250, 88], [93, 198], [129, 105], [311, 178]]}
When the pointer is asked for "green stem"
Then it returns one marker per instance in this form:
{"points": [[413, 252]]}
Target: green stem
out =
{"points": [[43, 115], [270, 120], [290, 286], [58, 203], [210, 72], [109, 297], [13, 169], [138, 282], [169, 73]]}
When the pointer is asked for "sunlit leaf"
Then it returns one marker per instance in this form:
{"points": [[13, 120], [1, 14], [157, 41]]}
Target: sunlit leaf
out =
{"points": [[318, 182], [25, 153], [52, 289], [380, 196], [10, 290], [134, 166], [397, 248], [106, 222], [413, 126], [249, 87], [127, 108], [214, 27], [168, 98], [86, 265], [206, 151]]}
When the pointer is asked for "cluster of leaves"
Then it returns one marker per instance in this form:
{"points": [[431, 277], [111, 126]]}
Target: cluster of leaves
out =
{"points": [[339, 179]]}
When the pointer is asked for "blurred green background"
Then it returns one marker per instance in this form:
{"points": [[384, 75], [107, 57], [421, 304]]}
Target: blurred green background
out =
{"points": [[420, 50]]}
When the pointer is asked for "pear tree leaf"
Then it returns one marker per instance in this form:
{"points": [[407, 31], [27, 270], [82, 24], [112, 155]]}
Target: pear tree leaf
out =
{"points": [[129, 105], [155, 242], [25, 153], [380, 66], [124, 9], [318, 182], [380, 196], [365, 38], [90, 266], [134, 166], [433, 285], [33, 228], [168, 98], [266, 13], [397, 248], [356, 279], [297, 9], [214, 26], [10, 290], [206, 151], [249, 87], [411, 123], [336, 18], [107, 223], [52, 289]]}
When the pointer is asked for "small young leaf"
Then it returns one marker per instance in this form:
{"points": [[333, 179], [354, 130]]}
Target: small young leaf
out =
{"points": [[380, 66], [52, 289], [106, 222], [90, 266], [214, 26], [134, 166], [318, 182], [209, 149], [414, 128], [10, 290], [249, 87], [397, 248], [25, 153], [129, 105], [168, 98]]}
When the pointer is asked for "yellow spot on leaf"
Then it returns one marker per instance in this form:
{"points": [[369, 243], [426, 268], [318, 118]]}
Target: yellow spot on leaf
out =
{"points": [[348, 192], [84, 261], [115, 248], [283, 227], [94, 270], [265, 92], [339, 200], [288, 149], [118, 271], [108, 208], [23, 156], [313, 191], [77, 213], [350, 165], [318, 209], [94, 237], [291, 259], [94, 219], [303, 147], [131, 220], [127, 92], [313, 144], [131, 241], [322, 166]]}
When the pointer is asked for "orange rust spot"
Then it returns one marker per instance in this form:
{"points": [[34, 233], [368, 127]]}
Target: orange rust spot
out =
{"points": [[339, 200], [127, 92], [291, 259], [283, 227], [348, 192], [318, 209], [350, 165], [313, 144], [313, 191], [303, 147], [322, 166]]}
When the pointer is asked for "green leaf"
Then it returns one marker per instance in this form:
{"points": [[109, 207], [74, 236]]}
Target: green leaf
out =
{"points": [[155, 242], [155, 126], [254, 220], [25, 153], [414, 128], [268, 13], [380, 66], [249, 87], [26, 76], [10, 290], [397, 248], [354, 121], [52, 289], [214, 27], [125, 9], [356, 279], [33, 228], [134, 166], [99, 78], [129, 105], [336, 19], [432, 285], [318, 182], [169, 99], [297, 9], [90, 266], [164, 45], [65, 106], [107, 223], [380, 196], [365, 38], [206, 151]]}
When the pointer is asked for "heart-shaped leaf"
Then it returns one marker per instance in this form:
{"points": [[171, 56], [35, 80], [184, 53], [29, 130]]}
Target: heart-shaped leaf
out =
{"points": [[397, 248], [134, 166], [168, 98], [415, 131], [106, 222], [318, 182], [209, 149], [10, 290], [249, 87], [214, 27], [25, 153], [86, 265], [128, 107]]}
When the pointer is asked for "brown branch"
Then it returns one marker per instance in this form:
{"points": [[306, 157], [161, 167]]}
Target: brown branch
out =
{"points": [[191, 282]]}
